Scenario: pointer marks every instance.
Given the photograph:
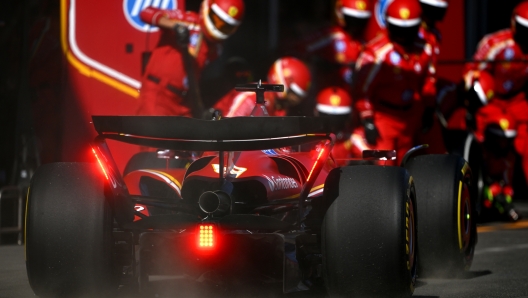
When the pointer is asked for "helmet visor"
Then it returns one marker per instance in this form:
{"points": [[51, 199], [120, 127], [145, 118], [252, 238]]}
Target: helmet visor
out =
{"points": [[355, 26], [220, 24], [521, 35], [404, 36]]}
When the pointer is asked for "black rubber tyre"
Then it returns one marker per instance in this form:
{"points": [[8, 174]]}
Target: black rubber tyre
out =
{"points": [[447, 235], [69, 232], [149, 160], [369, 232]]}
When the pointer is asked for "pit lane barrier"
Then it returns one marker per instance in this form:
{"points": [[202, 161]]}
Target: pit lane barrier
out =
{"points": [[11, 203]]}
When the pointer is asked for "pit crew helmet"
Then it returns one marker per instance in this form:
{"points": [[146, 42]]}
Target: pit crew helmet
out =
{"points": [[221, 18], [434, 10], [353, 15], [333, 101], [335, 104], [519, 25], [403, 19], [480, 87], [293, 74]]}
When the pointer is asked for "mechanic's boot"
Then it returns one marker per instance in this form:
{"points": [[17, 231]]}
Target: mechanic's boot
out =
{"points": [[514, 215]]}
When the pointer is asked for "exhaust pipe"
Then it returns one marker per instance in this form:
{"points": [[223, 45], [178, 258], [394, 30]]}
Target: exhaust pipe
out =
{"points": [[215, 202]]}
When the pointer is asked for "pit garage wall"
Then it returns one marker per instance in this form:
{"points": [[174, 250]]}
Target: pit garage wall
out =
{"points": [[102, 42], [453, 42]]}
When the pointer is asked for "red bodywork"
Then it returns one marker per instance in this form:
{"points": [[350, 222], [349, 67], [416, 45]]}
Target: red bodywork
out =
{"points": [[281, 173]]}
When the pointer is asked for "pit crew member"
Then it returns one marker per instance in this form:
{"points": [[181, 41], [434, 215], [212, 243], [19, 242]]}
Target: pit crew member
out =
{"points": [[336, 103], [496, 131], [333, 50], [395, 81], [503, 54], [433, 11], [165, 82], [288, 71]]}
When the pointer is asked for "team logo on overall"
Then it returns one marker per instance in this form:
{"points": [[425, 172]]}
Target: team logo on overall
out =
{"points": [[132, 8], [379, 12]]}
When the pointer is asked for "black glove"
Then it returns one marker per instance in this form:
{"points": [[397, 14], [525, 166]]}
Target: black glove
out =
{"points": [[427, 119], [471, 122], [182, 36], [371, 132]]}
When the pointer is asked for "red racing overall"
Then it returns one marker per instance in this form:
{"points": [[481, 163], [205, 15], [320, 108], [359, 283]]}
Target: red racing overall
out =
{"points": [[393, 86], [165, 83]]}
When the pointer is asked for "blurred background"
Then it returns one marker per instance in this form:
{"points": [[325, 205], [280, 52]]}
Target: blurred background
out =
{"points": [[62, 61]]}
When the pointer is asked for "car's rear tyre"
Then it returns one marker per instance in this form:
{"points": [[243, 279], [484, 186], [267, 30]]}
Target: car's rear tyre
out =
{"points": [[369, 232], [69, 232], [447, 214]]}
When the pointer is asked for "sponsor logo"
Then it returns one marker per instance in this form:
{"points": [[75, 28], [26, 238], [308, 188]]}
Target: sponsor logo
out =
{"points": [[379, 12], [233, 11], [236, 171], [139, 208], [361, 5], [269, 152], [340, 46], [335, 100], [504, 124], [405, 13], [395, 58], [281, 183], [193, 39], [132, 8]]}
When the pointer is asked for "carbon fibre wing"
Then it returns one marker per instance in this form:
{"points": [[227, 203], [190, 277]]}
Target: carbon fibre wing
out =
{"points": [[227, 134]]}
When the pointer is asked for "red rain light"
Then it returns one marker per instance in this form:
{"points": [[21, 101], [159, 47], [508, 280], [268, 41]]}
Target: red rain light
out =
{"points": [[100, 163], [206, 237]]}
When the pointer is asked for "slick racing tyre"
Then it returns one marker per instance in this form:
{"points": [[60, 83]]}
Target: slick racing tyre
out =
{"points": [[369, 232], [447, 234], [69, 232]]}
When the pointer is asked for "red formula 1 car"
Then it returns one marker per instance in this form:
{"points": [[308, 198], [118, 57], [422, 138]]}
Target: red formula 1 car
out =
{"points": [[225, 209]]}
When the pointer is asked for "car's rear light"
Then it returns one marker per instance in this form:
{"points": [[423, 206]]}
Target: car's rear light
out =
{"points": [[100, 163], [206, 236]]}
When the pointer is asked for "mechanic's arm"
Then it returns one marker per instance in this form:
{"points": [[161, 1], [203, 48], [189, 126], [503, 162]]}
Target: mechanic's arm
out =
{"points": [[364, 82], [166, 19], [429, 93], [479, 61]]}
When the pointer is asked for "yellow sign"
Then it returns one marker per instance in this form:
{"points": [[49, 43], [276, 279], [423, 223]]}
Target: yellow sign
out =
{"points": [[405, 13], [233, 11]]}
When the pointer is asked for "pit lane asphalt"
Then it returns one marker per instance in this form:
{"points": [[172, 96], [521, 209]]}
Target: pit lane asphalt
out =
{"points": [[500, 269]]}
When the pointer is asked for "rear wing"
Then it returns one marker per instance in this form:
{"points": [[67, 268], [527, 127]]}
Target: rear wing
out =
{"points": [[227, 134]]}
